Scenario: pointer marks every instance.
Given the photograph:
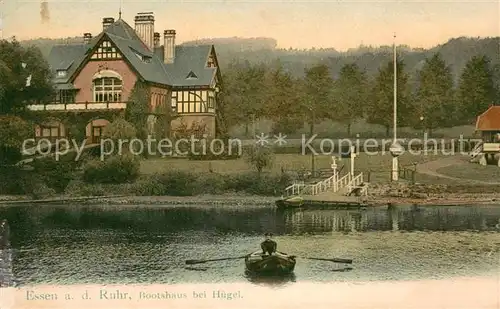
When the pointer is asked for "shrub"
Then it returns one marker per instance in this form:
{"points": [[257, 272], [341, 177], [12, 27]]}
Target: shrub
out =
{"points": [[119, 129], [175, 183], [211, 183], [13, 132], [259, 157], [115, 169], [55, 174], [14, 180], [259, 184]]}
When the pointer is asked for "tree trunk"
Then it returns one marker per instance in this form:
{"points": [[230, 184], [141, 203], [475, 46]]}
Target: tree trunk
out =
{"points": [[387, 128], [246, 129], [349, 129]]}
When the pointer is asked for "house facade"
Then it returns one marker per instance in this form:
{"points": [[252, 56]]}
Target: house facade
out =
{"points": [[94, 80], [488, 128]]}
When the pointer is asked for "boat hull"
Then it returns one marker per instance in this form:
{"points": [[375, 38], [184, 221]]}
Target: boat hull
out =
{"points": [[276, 264]]}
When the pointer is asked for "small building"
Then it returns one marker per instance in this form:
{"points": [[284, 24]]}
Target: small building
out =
{"points": [[94, 80], [488, 126]]}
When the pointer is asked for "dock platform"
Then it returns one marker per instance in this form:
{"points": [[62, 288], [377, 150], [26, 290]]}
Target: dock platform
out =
{"points": [[323, 201]]}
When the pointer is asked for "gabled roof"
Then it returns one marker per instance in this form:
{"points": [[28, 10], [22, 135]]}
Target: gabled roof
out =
{"points": [[65, 57], [489, 120], [187, 58]]}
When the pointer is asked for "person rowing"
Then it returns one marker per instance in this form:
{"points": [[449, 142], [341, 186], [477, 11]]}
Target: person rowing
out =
{"points": [[268, 246]]}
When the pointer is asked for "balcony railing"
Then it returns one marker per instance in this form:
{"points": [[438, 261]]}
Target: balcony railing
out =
{"points": [[78, 106]]}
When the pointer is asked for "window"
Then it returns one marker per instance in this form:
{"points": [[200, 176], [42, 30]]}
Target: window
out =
{"points": [[65, 96], [211, 62], [107, 89], [190, 101], [106, 51], [61, 73], [211, 102], [191, 75], [50, 132], [144, 58]]}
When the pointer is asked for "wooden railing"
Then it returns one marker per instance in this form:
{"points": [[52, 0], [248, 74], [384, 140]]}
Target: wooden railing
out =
{"points": [[78, 106], [477, 150], [342, 182], [355, 182], [321, 186]]}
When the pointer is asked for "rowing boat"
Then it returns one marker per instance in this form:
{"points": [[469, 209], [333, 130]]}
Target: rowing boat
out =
{"points": [[276, 264]]}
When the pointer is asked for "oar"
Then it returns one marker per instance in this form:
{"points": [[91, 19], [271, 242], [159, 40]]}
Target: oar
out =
{"points": [[190, 262], [335, 260]]}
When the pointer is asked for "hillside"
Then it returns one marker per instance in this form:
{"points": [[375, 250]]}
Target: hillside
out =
{"points": [[456, 52]]}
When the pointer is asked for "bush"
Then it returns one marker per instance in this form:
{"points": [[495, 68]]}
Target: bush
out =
{"points": [[114, 170], [259, 184], [13, 132], [259, 157], [175, 183], [14, 180], [211, 183], [55, 174]]}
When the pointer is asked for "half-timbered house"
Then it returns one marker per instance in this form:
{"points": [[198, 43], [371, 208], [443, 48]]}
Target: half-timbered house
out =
{"points": [[94, 80]]}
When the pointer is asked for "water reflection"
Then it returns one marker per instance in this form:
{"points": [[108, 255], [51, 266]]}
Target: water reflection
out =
{"points": [[29, 223], [276, 281], [437, 218], [109, 244]]}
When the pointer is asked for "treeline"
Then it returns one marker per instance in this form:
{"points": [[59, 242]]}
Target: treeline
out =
{"points": [[432, 101]]}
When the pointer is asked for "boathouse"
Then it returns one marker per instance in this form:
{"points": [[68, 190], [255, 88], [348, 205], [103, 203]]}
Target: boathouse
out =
{"points": [[94, 80], [488, 128]]}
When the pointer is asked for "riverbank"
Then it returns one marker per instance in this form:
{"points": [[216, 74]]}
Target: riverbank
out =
{"points": [[236, 200]]}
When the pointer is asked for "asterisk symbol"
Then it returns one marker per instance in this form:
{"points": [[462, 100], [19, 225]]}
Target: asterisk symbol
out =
{"points": [[262, 139], [280, 139]]}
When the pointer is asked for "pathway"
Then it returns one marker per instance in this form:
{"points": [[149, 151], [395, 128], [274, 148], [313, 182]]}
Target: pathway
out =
{"points": [[430, 168]]}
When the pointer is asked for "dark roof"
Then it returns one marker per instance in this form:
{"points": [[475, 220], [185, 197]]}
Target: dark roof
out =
{"points": [[187, 58], [66, 57], [489, 120]]}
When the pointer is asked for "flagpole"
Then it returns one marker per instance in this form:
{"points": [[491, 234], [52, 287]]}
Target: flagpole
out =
{"points": [[395, 163]]}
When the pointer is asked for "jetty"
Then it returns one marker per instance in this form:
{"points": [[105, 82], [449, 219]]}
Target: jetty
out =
{"points": [[348, 191]]}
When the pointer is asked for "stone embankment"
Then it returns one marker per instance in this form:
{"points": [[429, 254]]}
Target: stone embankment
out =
{"points": [[433, 193]]}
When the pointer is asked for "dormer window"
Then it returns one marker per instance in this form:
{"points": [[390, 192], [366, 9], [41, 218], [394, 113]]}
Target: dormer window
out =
{"points": [[191, 75], [146, 59], [211, 62], [61, 73]]}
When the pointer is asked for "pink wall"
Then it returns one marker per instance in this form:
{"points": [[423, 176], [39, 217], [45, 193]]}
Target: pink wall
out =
{"points": [[84, 79]]}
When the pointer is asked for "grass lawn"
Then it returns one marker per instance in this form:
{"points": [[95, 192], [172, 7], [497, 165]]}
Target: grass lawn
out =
{"points": [[489, 173], [378, 165], [366, 130]]}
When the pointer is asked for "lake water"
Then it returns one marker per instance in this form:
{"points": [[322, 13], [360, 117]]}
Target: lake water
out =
{"points": [[143, 244]]}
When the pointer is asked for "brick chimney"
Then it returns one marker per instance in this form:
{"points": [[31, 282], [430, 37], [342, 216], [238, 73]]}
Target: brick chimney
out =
{"points": [[87, 37], [106, 22], [156, 39], [144, 27], [169, 46]]}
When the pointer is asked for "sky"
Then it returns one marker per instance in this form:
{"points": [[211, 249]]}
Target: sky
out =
{"points": [[340, 24]]}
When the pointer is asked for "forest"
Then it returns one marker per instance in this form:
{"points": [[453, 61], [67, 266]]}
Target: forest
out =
{"points": [[444, 86]]}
